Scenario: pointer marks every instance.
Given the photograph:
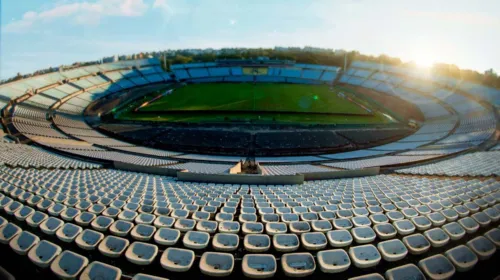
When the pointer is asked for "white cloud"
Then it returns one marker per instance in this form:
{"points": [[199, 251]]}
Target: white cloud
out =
{"points": [[80, 12], [161, 4]]}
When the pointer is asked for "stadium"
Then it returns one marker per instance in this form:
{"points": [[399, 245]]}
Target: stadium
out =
{"points": [[248, 168]]}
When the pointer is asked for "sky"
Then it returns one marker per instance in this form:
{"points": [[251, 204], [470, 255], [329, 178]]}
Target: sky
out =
{"points": [[38, 34]]}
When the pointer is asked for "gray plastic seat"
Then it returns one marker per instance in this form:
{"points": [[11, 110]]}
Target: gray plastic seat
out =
{"points": [[469, 224], [51, 225], [437, 267], [461, 210], [321, 226], [224, 217], [437, 219], [494, 236], [482, 247], [394, 216], [423, 209], [145, 219], [481, 218], [361, 221], [141, 253], [342, 224], [216, 264], [385, 231], [313, 241], [127, 215], [68, 232], [450, 214], [113, 246], [225, 242], [177, 260], [454, 230], [392, 250], [407, 271], [493, 214], [196, 240], [8, 232], [89, 239], [298, 264], [416, 243], [43, 253], [102, 223], [164, 222], [286, 242], [143, 232], [85, 218], [23, 242], [339, 238], [111, 212], [121, 228], [363, 235], [379, 218], [421, 223], [252, 228], [259, 266], [333, 261], [309, 216], [13, 207], [273, 228], [327, 215], [167, 236], [364, 256], [360, 212], [462, 258], [101, 271], [247, 218], [268, 218], [229, 227], [36, 219], [409, 213], [437, 237], [68, 265], [404, 227], [257, 243], [299, 227], [69, 214], [185, 225], [289, 217], [23, 213], [207, 226]]}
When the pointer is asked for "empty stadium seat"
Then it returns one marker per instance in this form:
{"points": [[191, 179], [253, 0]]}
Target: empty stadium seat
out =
{"points": [[68, 265], [216, 264], [177, 260], [333, 261], [298, 264]]}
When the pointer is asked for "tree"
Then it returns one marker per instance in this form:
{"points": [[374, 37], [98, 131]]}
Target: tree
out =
{"points": [[18, 77]]}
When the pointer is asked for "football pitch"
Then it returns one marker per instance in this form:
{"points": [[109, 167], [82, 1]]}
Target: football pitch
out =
{"points": [[258, 103]]}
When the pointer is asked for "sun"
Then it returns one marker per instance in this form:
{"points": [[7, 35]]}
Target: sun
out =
{"points": [[424, 56], [425, 60]]}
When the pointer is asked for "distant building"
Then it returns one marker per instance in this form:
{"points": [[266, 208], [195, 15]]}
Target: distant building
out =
{"points": [[110, 59], [316, 50]]}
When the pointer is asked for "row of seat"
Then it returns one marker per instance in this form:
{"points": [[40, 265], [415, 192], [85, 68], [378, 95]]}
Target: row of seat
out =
{"points": [[69, 264]]}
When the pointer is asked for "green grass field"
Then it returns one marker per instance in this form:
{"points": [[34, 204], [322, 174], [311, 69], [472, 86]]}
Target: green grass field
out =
{"points": [[275, 103], [258, 97]]}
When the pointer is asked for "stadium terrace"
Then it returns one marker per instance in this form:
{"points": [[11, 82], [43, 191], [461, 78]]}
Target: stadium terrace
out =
{"points": [[248, 169]]}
